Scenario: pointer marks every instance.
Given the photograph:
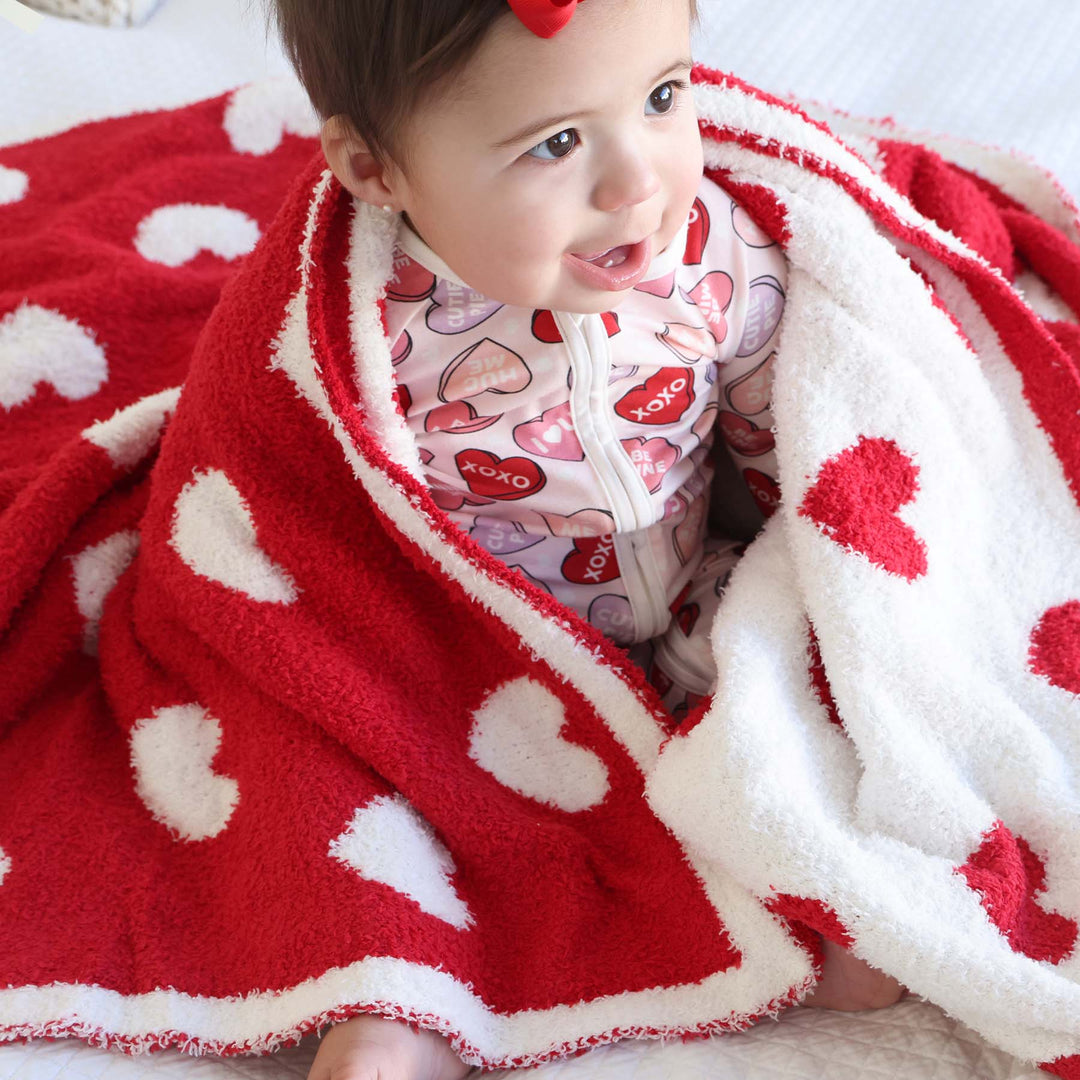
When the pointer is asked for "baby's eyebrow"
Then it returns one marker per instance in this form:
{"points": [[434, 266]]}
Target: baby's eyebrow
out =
{"points": [[533, 130]]}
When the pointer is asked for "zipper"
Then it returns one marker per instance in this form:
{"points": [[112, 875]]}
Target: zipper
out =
{"points": [[589, 347]]}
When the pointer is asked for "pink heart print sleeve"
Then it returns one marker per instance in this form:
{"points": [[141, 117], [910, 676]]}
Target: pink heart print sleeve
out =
{"points": [[578, 448]]}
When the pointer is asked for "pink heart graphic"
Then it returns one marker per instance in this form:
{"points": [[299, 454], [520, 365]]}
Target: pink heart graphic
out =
{"points": [[689, 343], [551, 435], [1055, 646], [855, 499], [661, 286], [712, 296], [652, 459], [459, 418], [749, 394], [487, 365], [744, 436]]}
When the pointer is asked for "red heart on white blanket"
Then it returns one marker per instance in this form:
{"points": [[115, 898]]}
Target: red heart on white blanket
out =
{"points": [[1008, 876], [855, 499], [1055, 646]]}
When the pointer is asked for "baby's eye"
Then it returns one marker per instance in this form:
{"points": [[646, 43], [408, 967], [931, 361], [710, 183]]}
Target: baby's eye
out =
{"points": [[663, 99], [560, 145]]}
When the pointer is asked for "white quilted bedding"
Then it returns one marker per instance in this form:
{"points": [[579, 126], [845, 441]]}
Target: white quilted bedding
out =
{"points": [[1012, 80], [912, 1040]]}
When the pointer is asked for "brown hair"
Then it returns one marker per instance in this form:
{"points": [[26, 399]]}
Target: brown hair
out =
{"points": [[374, 61]]}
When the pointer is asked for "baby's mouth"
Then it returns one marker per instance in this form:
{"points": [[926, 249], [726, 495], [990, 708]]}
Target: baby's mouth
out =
{"points": [[615, 256]]}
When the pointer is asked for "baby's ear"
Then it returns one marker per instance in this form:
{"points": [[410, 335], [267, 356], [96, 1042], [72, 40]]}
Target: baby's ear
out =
{"points": [[353, 164]]}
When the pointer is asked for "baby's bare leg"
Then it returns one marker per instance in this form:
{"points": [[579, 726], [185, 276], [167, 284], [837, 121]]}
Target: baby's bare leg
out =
{"points": [[848, 984], [375, 1048]]}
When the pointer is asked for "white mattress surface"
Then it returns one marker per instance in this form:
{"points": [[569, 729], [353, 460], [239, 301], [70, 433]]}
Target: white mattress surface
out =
{"points": [[1002, 74]]}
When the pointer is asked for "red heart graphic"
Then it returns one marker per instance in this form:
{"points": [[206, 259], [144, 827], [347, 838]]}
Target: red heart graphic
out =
{"points": [[499, 478], [1007, 874], [544, 328], [660, 399], [402, 348], [745, 436], [764, 488], [697, 234], [409, 280], [854, 501], [687, 617], [592, 561], [1055, 646]]}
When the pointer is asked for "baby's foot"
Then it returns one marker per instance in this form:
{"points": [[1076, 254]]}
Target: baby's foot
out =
{"points": [[375, 1048], [848, 984]]}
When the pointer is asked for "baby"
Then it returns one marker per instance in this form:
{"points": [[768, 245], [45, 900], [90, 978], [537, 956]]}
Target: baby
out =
{"points": [[576, 310]]}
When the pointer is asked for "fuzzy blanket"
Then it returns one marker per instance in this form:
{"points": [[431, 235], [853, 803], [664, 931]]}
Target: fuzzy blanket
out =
{"points": [[280, 744]]}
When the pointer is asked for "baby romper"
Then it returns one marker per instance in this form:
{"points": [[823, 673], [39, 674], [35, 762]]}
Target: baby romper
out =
{"points": [[577, 448]]}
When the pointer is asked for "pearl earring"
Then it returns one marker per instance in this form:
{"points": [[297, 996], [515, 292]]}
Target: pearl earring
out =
{"points": [[387, 206]]}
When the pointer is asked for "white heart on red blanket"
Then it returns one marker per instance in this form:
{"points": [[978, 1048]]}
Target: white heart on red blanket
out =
{"points": [[171, 753], [1055, 646], [258, 115], [40, 345], [173, 235], [214, 533], [96, 570], [516, 735], [13, 184], [855, 500], [389, 842], [131, 433]]}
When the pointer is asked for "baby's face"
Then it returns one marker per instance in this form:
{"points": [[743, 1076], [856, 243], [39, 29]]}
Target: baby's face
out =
{"points": [[545, 148]]}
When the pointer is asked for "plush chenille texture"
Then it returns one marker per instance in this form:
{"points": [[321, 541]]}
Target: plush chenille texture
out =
{"points": [[282, 744]]}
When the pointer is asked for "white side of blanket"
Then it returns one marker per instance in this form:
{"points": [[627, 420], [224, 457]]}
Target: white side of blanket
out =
{"points": [[947, 728]]}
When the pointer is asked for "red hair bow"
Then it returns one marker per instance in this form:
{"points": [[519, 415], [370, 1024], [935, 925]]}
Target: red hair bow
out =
{"points": [[545, 18]]}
